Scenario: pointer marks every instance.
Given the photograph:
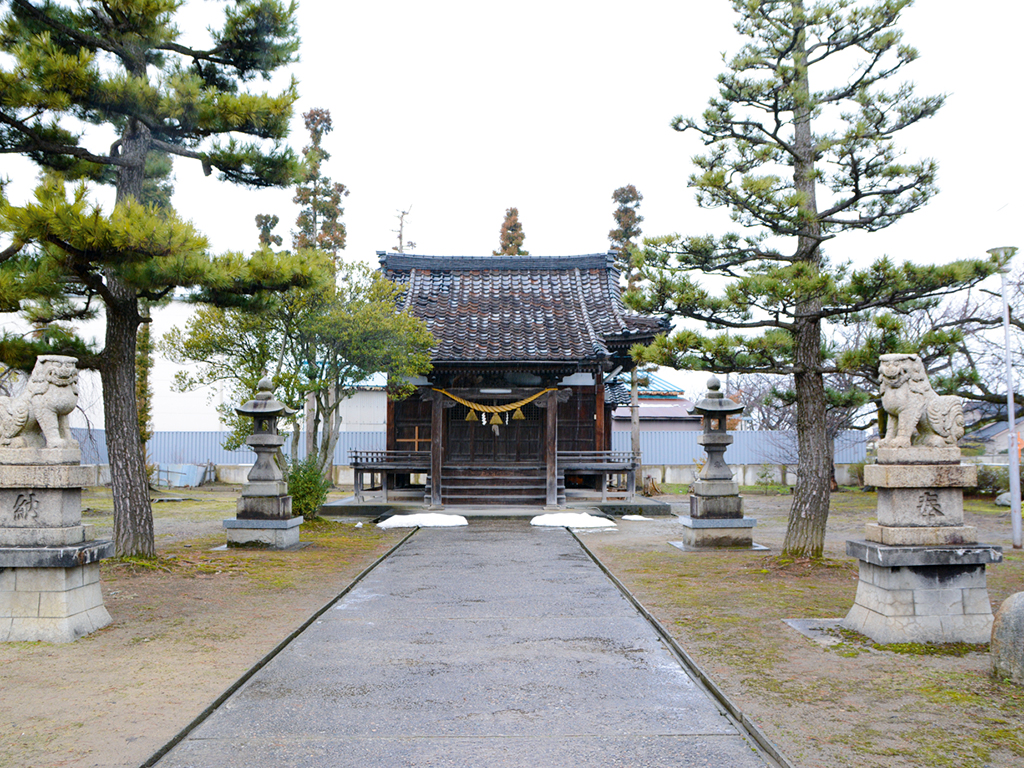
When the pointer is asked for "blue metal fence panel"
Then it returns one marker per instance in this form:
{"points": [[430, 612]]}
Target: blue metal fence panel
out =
{"points": [[208, 447], [673, 448], [682, 448]]}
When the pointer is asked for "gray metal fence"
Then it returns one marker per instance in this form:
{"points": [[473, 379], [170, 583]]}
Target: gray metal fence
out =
{"points": [[682, 448], [658, 448]]}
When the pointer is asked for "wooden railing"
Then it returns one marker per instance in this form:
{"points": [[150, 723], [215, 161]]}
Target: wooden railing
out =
{"points": [[613, 460], [391, 460], [381, 463], [602, 464]]}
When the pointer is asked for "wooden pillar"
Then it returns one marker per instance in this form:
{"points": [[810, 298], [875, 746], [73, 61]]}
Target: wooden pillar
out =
{"points": [[392, 427], [436, 449], [551, 448], [599, 442], [634, 426]]}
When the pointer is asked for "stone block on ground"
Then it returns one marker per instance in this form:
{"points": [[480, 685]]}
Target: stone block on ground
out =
{"points": [[273, 534], [713, 533], [923, 603], [1007, 649], [55, 605]]}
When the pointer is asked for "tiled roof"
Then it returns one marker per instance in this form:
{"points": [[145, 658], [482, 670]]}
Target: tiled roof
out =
{"points": [[520, 308]]}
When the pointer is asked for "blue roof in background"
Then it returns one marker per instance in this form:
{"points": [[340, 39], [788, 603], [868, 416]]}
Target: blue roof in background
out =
{"points": [[659, 387]]}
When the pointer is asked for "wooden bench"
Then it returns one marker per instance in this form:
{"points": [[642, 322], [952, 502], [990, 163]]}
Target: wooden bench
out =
{"points": [[602, 464], [383, 463]]}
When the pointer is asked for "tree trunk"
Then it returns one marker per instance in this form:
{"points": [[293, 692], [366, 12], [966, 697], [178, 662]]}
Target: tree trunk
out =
{"points": [[133, 514], [805, 533]]}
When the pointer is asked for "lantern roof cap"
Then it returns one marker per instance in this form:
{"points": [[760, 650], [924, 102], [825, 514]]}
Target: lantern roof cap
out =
{"points": [[264, 404], [715, 403]]}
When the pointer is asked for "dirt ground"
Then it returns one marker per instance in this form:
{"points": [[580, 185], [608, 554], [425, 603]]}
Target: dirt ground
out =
{"points": [[185, 630], [182, 633]]}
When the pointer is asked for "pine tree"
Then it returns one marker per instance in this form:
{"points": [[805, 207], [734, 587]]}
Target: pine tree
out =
{"points": [[627, 230], [120, 65], [512, 237], [795, 188], [319, 222], [265, 223]]}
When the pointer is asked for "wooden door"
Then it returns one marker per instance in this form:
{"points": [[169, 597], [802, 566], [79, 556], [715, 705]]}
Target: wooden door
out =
{"points": [[481, 442]]}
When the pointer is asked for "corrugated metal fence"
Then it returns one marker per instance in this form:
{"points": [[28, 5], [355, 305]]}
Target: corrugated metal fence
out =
{"points": [[682, 448], [658, 448]]}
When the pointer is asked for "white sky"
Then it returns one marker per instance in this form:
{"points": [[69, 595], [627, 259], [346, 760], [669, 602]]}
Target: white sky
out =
{"points": [[462, 109]]}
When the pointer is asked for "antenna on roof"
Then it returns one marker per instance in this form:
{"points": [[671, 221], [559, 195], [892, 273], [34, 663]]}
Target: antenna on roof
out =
{"points": [[403, 244]]}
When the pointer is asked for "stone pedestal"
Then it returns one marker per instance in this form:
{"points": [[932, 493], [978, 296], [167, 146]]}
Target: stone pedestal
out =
{"points": [[718, 532], [263, 516], [49, 562], [922, 572], [922, 594], [274, 534]]}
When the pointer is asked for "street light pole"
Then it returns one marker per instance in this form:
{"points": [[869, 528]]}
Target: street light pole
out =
{"points": [[1014, 468]]}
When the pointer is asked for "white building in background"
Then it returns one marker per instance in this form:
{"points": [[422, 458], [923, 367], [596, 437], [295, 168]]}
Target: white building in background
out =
{"points": [[196, 411]]}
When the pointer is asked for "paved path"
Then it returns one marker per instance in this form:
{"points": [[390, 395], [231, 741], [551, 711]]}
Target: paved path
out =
{"points": [[493, 645]]}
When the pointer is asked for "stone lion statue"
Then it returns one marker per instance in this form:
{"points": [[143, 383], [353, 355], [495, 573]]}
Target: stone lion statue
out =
{"points": [[914, 407], [38, 417]]}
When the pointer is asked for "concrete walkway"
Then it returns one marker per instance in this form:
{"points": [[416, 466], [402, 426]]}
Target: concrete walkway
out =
{"points": [[497, 644]]}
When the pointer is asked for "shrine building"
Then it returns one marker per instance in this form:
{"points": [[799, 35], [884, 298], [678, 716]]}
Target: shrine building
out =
{"points": [[517, 403]]}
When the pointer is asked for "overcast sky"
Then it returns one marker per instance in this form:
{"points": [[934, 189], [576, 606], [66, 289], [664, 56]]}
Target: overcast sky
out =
{"points": [[462, 109]]}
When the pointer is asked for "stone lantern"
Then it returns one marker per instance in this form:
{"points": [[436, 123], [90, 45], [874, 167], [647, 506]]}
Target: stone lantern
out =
{"points": [[716, 507], [263, 516]]}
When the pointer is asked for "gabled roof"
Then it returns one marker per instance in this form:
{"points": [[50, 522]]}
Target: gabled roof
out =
{"points": [[520, 309]]}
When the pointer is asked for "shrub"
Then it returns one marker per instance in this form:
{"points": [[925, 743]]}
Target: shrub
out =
{"points": [[992, 480], [765, 478], [307, 487], [856, 471]]}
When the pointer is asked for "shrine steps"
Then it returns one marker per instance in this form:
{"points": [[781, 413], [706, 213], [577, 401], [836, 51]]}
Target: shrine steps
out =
{"points": [[496, 484]]}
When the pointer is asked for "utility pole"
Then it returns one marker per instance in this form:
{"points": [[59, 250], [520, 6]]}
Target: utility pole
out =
{"points": [[1011, 408]]}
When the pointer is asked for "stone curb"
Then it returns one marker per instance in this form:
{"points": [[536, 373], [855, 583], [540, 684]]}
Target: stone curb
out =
{"points": [[742, 722]]}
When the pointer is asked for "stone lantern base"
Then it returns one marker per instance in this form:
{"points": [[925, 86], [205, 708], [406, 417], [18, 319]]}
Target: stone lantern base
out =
{"points": [[724, 532], [273, 534]]}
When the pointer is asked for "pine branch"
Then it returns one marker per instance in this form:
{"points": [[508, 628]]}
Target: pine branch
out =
{"points": [[80, 37], [38, 143]]}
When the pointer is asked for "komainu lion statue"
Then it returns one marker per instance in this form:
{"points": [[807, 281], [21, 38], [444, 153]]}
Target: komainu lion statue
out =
{"points": [[38, 417], [914, 407]]}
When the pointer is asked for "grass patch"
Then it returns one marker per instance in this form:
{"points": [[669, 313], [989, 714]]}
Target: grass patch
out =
{"points": [[956, 650]]}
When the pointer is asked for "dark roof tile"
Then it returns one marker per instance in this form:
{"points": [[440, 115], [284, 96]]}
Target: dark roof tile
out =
{"points": [[546, 309]]}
